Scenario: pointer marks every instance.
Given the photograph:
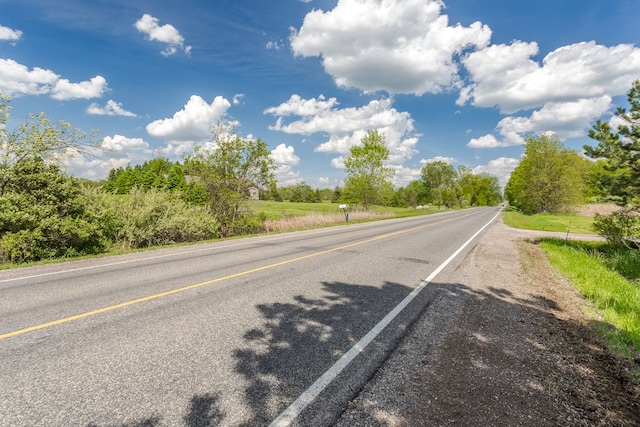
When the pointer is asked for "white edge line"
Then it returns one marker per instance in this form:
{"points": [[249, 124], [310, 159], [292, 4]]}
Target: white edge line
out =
{"points": [[288, 415]]}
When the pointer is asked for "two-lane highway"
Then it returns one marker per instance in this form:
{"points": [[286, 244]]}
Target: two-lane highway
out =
{"points": [[278, 328]]}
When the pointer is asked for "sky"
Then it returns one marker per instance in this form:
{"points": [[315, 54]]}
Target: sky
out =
{"points": [[462, 81]]}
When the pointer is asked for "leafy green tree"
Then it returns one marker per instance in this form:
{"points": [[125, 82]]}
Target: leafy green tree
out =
{"points": [[367, 176], [228, 171], [42, 211], [619, 147], [36, 137], [549, 178], [439, 180]]}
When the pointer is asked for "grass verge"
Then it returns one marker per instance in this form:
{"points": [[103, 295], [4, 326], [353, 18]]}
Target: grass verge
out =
{"points": [[595, 270], [549, 222]]}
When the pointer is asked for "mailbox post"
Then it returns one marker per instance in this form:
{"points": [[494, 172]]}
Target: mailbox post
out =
{"points": [[346, 214]]}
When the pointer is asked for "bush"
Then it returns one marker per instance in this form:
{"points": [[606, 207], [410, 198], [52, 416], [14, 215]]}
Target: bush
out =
{"points": [[620, 228], [153, 217]]}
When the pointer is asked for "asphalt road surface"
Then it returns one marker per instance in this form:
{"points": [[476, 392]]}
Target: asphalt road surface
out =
{"points": [[278, 329]]}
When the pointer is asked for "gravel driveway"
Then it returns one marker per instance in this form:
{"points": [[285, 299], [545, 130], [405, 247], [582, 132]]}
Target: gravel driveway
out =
{"points": [[506, 343]]}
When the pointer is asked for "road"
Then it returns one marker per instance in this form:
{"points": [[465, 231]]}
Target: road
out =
{"points": [[280, 329]]}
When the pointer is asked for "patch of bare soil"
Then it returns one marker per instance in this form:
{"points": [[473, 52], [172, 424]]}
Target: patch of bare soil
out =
{"points": [[516, 349]]}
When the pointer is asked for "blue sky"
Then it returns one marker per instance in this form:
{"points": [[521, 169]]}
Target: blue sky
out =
{"points": [[463, 81]]}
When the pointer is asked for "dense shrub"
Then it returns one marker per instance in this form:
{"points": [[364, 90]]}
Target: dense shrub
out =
{"points": [[620, 228], [153, 217]]}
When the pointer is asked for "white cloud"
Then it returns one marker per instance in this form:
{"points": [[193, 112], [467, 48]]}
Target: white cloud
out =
{"points": [[111, 108], [237, 98], [571, 87], [193, 123], [398, 46], [346, 127], [166, 34], [116, 151], [285, 159], [500, 168], [505, 75], [120, 143], [65, 90], [274, 45], [448, 160], [486, 141], [285, 155], [10, 34], [565, 119], [17, 79]]}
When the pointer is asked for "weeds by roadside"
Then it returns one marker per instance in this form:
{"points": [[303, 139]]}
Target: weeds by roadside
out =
{"points": [[608, 278]]}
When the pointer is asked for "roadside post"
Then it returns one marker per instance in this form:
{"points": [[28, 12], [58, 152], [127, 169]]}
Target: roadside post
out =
{"points": [[346, 214]]}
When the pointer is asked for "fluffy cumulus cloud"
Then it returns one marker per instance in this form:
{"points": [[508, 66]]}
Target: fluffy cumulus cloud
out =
{"points": [[9, 34], [398, 46], [111, 108], [193, 123], [285, 160], [119, 143], [17, 79], [572, 86], [347, 126], [167, 34]]}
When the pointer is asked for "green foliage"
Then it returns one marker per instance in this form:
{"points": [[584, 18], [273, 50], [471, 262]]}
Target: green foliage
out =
{"points": [[227, 172], [621, 228], [619, 147], [549, 178], [439, 180], [158, 173], [43, 215], [618, 151], [617, 298], [152, 217], [368, 178], [36, 137]]}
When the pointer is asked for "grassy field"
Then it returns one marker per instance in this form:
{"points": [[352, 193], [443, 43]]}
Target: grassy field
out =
{"points": [[548, 222], [278, 210]]}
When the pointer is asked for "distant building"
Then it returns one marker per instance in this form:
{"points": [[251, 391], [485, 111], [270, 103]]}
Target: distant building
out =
{"points": [[254, 193]]}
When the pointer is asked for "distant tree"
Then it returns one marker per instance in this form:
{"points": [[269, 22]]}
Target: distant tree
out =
{"points": [[549, 178], [227, 171], [439, 180], [367, 176], [337, 195], [619, 147]]}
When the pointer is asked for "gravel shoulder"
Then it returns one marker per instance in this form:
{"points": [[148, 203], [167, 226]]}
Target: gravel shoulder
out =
{"points": [[505, 343]]}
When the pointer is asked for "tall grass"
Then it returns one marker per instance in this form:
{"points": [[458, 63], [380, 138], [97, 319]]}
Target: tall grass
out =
{"points": [[314, 220], [597, 272]]}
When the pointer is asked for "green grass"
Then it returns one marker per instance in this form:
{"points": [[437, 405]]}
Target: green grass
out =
{"points": [[608, 278], [549, 222]]}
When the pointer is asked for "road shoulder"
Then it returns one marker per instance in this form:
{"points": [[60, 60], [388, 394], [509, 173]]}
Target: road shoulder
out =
{"points": [[505, 343]]}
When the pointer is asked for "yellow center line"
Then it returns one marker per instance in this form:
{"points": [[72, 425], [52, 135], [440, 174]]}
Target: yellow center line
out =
{"points": [[209, 282]]}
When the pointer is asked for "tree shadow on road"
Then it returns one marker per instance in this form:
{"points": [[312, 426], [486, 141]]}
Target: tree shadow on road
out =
{"points": [[305, 338]]}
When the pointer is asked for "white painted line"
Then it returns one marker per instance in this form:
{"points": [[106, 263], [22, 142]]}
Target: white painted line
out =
{"points": [[309, 395]]}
